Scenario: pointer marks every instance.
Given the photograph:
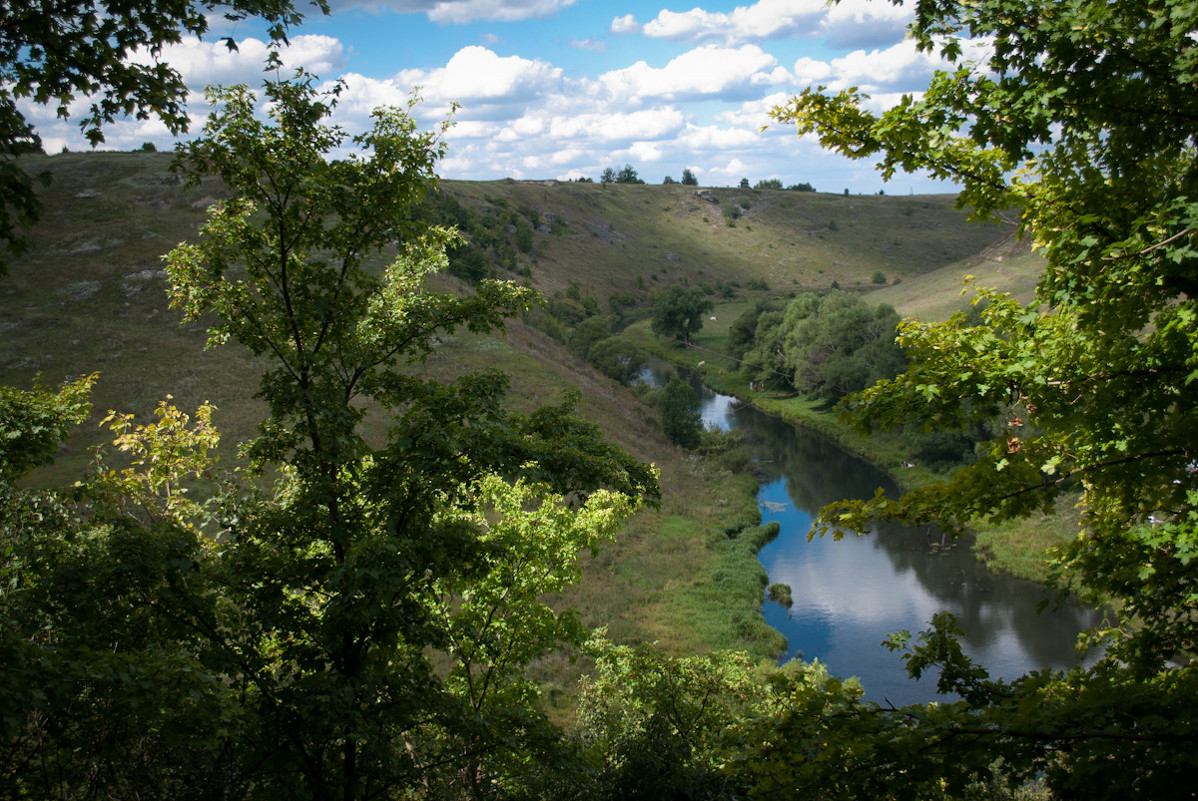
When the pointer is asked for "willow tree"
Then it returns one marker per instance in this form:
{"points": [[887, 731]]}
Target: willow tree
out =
{"points": [[1082, 118]]}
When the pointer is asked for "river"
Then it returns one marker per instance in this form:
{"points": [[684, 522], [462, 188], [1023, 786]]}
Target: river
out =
{"points": [[850, 594]]}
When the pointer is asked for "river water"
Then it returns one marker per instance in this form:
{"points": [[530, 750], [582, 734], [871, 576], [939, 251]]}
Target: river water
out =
{"points": [[850, 594]]}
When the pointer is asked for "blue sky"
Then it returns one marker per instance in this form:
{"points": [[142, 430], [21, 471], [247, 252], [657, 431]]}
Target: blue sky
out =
{"points": [[563, 88]]}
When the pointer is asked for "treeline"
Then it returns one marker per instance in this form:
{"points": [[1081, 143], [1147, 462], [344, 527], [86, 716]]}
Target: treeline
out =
{"points": [[828, 347]]}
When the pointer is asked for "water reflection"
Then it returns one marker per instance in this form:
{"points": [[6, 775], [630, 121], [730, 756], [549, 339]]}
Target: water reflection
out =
{"points": [[849, 595]]}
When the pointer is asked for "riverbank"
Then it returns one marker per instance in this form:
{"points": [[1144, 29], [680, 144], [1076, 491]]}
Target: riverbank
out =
{"points": [[1022, 548]]}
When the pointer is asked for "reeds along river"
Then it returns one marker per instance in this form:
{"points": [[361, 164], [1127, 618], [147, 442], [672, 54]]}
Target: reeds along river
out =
{"points": [[850, 594]]}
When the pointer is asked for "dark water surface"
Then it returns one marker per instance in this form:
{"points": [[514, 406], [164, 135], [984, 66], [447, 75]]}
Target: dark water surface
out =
{"points": [[850, 594]]}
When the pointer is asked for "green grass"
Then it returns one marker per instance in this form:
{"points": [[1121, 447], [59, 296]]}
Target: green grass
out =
{"points": [[613, 233], [89, 297], [1026, 548], [1007, 266]]}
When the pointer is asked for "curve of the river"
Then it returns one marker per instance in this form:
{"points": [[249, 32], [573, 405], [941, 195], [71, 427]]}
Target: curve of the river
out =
{"points": [[850, 594]]}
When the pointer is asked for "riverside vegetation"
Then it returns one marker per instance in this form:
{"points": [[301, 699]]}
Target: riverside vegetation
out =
{"points": [[363, 607]]}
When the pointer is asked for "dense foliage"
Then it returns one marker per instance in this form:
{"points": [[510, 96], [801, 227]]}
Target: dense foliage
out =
{"points": [[1082, 116], [361, 627], [678, 312], [678, 405], [824, 346], [354, 620]]}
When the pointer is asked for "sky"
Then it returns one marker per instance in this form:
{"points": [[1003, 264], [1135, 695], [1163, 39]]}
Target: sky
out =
{"points": [[561, 89]]}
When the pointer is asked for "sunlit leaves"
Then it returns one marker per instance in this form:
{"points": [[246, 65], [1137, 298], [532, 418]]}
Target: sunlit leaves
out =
{"points": [[1081, 119]]}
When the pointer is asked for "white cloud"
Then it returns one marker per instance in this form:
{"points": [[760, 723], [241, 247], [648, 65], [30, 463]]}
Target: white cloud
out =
{"points": [[473, 129], [624, 25], [766, 19], [607, 128], [598, 45], [732, 169], [848, 23], [203, 62], [462, 11], [715, 138], [477, 75], [645, 152], [865, 23], [705, 71], [900, 67]]}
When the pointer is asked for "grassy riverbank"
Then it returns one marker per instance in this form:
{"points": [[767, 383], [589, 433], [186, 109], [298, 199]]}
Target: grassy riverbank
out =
{"points": [[1023, 548]]}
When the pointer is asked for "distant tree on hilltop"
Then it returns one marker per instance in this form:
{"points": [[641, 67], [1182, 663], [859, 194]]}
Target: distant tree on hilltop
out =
{"points": [[628, 176]]}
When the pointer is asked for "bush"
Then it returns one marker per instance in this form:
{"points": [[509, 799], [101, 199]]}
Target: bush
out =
{"points": [[618, 359]]}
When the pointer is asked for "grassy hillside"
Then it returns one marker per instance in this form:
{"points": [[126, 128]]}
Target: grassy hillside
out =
{"points": [[1007, 264], [609, 235], [90, 296]]}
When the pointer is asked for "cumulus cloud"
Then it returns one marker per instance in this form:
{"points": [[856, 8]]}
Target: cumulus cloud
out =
{"points": [[865, 23], [202, 63], [766, 19], [898, 68], [617, 128], [476, 75], [731, 169], [848, 23], [458, 12], [707, 71], [622, 26]]}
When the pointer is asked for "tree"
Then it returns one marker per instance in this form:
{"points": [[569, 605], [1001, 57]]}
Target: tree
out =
{"points": [[668, 180], [1084, 122], [281, 641], [678, 312], [744, 183], [608, 176], [680, 417], [628, 175], [769, 183], [840, 345], [618, 359], [51, 55], [688, 177]]}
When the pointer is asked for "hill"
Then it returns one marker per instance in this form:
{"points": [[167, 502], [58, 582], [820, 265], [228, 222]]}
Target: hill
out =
{"points": [[90, 296], [632, 238]]}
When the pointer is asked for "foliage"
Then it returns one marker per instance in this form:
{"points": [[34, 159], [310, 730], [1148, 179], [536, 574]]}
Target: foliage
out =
{"points": [[824, 346], [285, 640], [52, 55], [32, 423], [588, 332], [688, 178], [743, 330], [678, 312], [1084, 122], [679, 409], [768, 183], [618, 359], [608, 176], [627, 175], [658, 725]]}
